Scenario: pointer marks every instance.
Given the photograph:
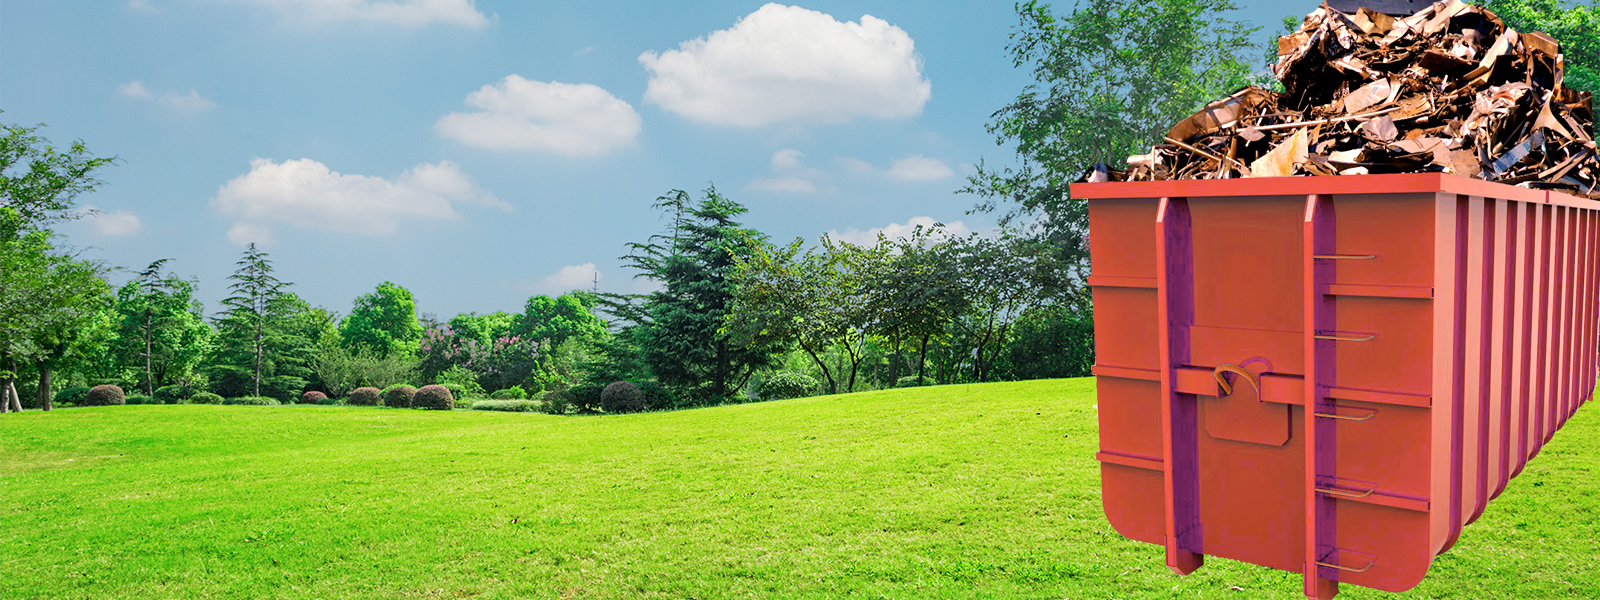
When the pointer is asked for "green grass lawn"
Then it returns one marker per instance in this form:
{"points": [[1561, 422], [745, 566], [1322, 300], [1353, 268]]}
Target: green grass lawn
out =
{"points": [[987, 491]]}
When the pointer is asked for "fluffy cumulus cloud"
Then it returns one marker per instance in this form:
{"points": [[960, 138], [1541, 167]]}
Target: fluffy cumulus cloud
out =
{"points": [[786, 64], [404, 13], [112, 224], [306, 194], [192, 101], [788, 158], [574, 119], [568, 278], [896, 231]]}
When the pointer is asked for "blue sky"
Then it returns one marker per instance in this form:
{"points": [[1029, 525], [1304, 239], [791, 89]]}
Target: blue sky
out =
{"points": [[480, 152]]}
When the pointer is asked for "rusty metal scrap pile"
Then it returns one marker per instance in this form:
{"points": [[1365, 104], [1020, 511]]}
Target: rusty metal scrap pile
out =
{"points": [[1449, 89]]}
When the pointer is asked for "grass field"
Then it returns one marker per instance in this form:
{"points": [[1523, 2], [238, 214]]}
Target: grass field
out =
{"points": [[984, 491]]}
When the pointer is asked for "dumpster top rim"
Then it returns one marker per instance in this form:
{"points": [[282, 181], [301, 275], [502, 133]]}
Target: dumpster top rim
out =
{"points": [[1398, 183]]}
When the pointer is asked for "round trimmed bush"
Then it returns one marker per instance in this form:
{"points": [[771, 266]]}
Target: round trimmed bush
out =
{"points": [[657, 396], [622, 397], [398, 395], [252, 401], [787, 384], [365, 396], [205, 398], [433, 397], [313, 397], [72, 395], [173, 394], [104, 395], [554, 402]]}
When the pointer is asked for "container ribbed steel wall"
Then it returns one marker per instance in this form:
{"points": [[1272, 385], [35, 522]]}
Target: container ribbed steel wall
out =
{"points": [[1332, 375]]}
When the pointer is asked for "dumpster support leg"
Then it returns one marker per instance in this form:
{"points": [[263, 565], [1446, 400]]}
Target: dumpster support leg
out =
{"points": [[1321, 583], [1175, 297]]}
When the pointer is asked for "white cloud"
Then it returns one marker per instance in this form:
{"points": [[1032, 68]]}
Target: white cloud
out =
{"points": [[562, 118], [919, 168], [306, 194], [568, 278], [112, 224], [787, 185], [788, 158], [404, 13], [786, 64], [134, 89], [896, 231], [192, 101]]}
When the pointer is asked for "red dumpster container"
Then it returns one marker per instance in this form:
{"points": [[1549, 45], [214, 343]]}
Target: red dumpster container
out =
{"points": [[1332, 375]]}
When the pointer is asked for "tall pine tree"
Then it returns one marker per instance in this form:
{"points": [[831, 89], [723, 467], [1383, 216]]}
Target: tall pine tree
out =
{"points": [[262, 338], [680, 325]]}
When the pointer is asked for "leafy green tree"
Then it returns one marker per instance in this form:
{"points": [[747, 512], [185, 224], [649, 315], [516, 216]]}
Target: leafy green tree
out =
{"points": [[1573, 24], [680, 335], [48, 303], [1113, 76], [561, 318], [485, 329], [341, 370], [382, 323], [251, 322], [778, 301], [38, 183], [160, 331], [920, 293], [1005, 277]]}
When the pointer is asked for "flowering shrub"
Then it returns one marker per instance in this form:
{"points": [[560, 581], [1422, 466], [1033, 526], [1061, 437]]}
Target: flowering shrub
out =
{"points": [[505, 362]]}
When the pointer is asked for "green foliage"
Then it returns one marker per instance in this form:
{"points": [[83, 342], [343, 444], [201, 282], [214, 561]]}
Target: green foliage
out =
{"points": [[141, 399], [679, 327], [1575, 25], [342, 370], [485, 328], [512, 393], [252, 401], [456, 391], [1111, 78], [433, 397], [72, 395], [559, 319], [1049, 343], [160, 331], [104, 395], [622, 397], [787, 384], [174, 394], [205, 398], [507, 405], [52, 305], [365, 396], [657, 396], [383, 323], [313, 397], [586, 398], [398, 395], [555, 402], [912, 381], [266, 335], [327, 401], [38, 183]]}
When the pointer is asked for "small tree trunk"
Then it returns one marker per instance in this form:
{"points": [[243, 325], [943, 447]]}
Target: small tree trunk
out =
{"points": [[257, 391], [15, 401], [148, 333], [5, 397], [44, 387], [922, 357]]}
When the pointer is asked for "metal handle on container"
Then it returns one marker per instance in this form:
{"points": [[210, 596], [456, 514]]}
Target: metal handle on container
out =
{"points": [[1346, 338], [1365, 417], [1347, 569], [1227, 388], [1338, 493], [1344, 256]]}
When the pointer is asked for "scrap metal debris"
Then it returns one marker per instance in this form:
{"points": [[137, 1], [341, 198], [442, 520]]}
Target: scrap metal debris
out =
{"points": [[1448, 89]]}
